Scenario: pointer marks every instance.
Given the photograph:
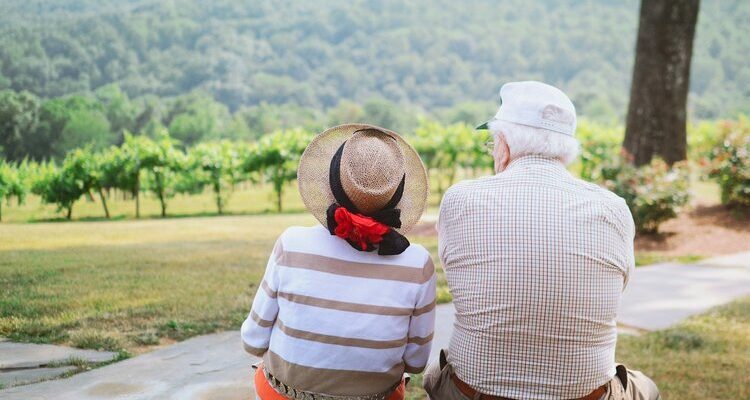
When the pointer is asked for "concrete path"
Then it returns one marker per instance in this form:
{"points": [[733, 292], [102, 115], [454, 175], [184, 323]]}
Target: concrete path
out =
{"points": [[216, 367], [659, 296], [26, 355], [210, 367], [24, 363]]}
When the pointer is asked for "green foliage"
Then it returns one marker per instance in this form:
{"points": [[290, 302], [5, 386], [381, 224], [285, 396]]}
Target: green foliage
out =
{"points": [[654, 192], [18, 115], [277, 156], [85, 128], [216, 164], [65, 185], [162, 163], [599, 144], [447, 148], [729, 162], [12, 184], [434, 54], [196, 117]]}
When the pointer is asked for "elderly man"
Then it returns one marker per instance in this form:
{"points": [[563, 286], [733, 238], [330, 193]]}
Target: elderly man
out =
{"points": [[536, 261]]}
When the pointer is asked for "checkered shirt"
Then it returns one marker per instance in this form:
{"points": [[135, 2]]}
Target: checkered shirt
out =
{"points": [[536, 261]]}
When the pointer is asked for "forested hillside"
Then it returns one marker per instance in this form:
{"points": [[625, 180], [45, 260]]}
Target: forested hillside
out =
{"points": [[427, 54]]}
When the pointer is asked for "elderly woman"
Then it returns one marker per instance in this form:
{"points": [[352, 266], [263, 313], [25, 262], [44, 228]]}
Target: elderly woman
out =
{"points": [[347, 306]]}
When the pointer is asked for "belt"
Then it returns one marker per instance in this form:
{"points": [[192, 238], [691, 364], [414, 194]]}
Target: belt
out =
{"points": [[470, 392], [296, 394]]}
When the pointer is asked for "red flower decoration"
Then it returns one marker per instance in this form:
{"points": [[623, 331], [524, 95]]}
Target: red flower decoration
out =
{"points": [[358, 229]]}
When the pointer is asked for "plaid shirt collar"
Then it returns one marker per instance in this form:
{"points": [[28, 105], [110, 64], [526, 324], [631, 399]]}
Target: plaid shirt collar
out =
{"points": [[533, 161]]}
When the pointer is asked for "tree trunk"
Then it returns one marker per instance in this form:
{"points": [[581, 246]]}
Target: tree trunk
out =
{"points": [[70, 212], [218, 198], [279, 193], [1, 210], [137, 196], [104, 203], [163, 203], [657, 112]]}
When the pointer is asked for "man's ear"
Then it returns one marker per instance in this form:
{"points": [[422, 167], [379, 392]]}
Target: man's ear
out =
{"points": [[506, 154]]}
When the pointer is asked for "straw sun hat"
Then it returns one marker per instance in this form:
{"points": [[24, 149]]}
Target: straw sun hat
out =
{"points": [[365, 180]]}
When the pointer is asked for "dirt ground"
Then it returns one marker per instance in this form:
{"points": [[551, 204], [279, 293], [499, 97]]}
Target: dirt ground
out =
{"points": [[704, 231]]}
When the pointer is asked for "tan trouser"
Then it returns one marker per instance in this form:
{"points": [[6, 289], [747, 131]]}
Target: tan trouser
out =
{"points": [[626, 385]]}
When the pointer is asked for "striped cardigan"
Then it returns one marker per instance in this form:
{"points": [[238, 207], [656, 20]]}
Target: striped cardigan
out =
{"points": [[333, 320]]}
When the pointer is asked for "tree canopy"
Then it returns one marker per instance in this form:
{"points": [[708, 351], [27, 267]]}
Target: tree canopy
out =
{"points": [[430, 54]]}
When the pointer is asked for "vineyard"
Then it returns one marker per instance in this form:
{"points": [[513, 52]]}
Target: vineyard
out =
{"points": [[159, 167]]}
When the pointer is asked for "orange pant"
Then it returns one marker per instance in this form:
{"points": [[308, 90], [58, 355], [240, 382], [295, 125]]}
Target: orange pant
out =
{"points": [[266, 392]]}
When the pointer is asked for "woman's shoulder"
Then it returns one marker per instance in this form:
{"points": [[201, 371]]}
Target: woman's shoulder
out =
{"points": [[317, 239], [305, 233], [417, 250]]}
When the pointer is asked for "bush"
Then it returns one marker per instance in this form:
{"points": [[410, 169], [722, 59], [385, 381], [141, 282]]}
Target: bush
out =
{"points": [[599, 144], [654, 192], [12, 184], [729, 162]]}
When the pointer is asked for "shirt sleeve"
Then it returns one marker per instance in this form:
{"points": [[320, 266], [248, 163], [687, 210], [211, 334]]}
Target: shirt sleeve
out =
{"points": [[622, 220], [629, 237], [451, 208], [422, 324], [256, 330]]}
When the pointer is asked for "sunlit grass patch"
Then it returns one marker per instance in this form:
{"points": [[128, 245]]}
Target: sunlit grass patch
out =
{"points": [[128, 285]]}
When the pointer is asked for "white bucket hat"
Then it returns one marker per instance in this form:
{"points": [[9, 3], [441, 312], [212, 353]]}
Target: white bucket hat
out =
{"points": [[536, 104]]}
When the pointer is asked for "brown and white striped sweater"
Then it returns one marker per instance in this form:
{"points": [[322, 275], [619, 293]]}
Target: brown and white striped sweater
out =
{"points": [[330, 319]]}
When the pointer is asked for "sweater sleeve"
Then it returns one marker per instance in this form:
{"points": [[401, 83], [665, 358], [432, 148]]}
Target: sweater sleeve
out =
{"points": [[422, 324], [256, 330]]}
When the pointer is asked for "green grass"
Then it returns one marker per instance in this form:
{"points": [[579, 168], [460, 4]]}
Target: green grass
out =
{"points": [[246, 199], [136, 283], [648, 258], [129, 284], [704, 357], [132, 284]]}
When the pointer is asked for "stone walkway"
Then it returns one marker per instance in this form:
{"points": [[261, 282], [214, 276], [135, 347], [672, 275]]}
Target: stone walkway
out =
{"points": [[210, 367], [22, 363], [659, 296], [215, 367]]}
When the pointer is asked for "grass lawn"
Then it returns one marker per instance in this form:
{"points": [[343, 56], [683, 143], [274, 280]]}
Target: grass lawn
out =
{"points": [[705, 357], [132, 284], [245, 200], [129, 285]]}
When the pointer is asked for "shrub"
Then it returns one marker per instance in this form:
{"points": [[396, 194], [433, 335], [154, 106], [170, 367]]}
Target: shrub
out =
{"points": [[12, 184], [216, 164], [654, 192], [729, 162], [63, 186]]}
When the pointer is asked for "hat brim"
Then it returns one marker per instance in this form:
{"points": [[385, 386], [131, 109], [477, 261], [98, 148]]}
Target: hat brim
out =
{"points": [[485, 126], [314, 169]]}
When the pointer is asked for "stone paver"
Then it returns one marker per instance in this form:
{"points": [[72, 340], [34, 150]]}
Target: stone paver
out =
{"points": [[659, 296], [27, 355], [207, 367], [216, 367], [31, 375]]}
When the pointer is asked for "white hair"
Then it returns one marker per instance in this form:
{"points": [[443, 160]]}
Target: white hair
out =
{"points": [[525, 140]]}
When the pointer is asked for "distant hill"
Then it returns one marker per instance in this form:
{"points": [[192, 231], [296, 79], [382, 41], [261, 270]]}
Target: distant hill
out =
{"points": [[428, 54]]}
